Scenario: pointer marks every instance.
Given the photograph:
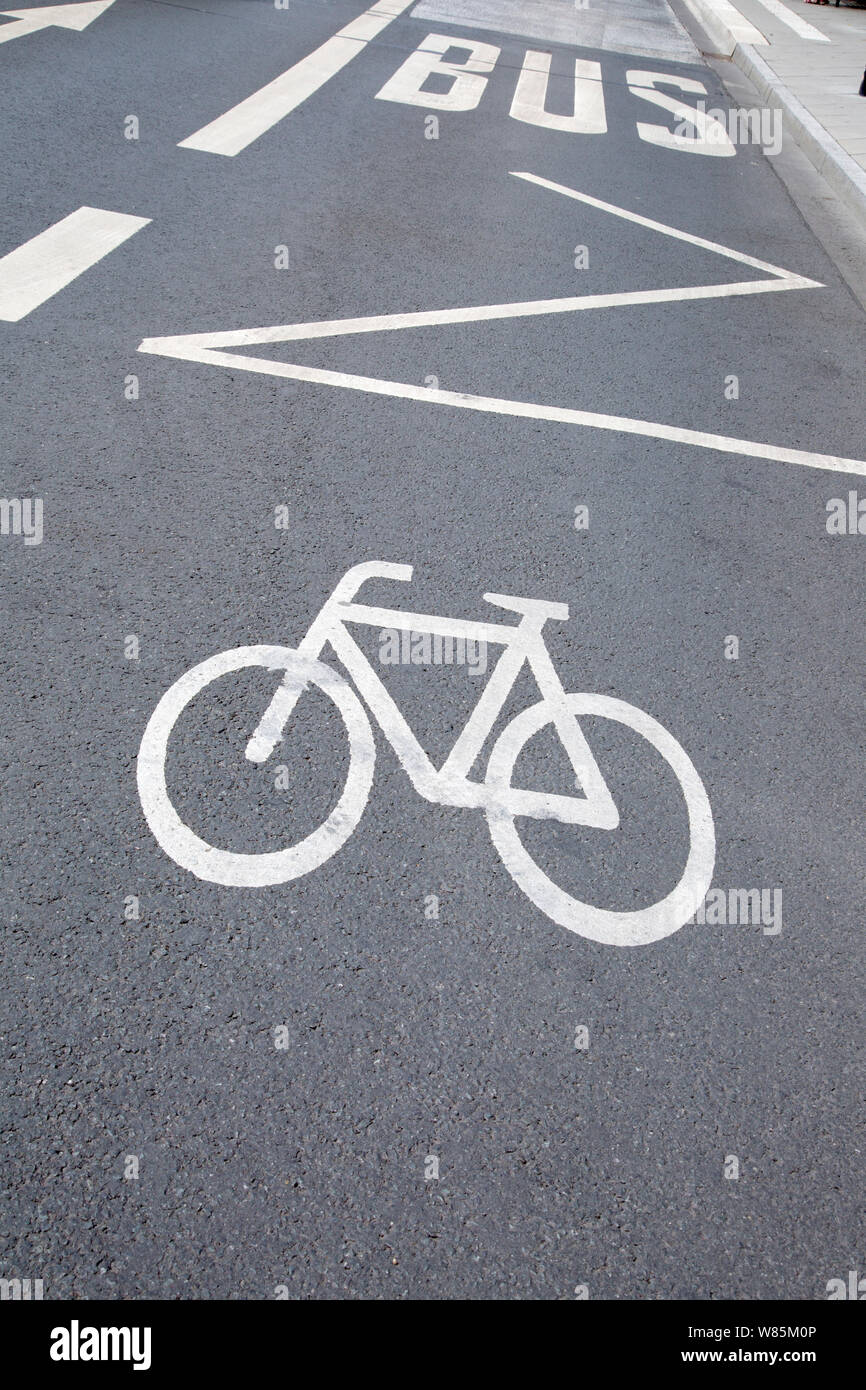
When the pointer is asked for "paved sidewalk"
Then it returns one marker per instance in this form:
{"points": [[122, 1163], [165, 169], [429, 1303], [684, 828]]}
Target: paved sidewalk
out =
{"points": [[808, 60], [825, 77]]}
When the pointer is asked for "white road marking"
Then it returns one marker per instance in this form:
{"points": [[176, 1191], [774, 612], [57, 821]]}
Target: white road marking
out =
{"points": [[467, 77], [494, 406], [794, 21], [530, 96], [48, 262], [665, 230], [64, 16], [428, 318], [710, 136], [209, 348], [502, 802], [235, 869], [630, 928], [244, 123], [184, 345]]}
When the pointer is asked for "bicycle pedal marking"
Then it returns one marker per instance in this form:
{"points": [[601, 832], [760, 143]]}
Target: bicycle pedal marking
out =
{"points": [[501, 801]]}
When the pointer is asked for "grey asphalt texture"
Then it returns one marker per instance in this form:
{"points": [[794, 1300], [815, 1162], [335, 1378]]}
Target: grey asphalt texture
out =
{"points": [[410, 1036]]}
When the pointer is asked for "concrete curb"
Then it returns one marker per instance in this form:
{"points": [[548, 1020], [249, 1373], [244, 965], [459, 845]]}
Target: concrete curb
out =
{"points": [[720, 23], [841, 172]]}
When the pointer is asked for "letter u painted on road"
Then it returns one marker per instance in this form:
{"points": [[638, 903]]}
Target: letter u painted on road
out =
{"points": [[530, 96]]}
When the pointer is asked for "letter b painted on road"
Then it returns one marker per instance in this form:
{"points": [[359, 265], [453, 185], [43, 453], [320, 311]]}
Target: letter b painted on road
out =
{"points": [[468, 78]]}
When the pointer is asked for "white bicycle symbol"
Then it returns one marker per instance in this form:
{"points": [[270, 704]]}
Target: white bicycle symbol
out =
{"points": [[450, 785]]}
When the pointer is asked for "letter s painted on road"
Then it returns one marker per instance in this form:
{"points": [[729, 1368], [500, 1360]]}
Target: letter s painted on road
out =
{"points": [[710, 135]]}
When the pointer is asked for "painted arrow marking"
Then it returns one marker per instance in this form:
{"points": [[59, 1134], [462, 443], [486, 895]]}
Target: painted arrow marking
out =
{"points": [[209, 348], [63, 16]]}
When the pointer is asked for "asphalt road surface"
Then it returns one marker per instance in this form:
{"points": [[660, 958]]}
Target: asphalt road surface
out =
{"points": [[424, 1062]]}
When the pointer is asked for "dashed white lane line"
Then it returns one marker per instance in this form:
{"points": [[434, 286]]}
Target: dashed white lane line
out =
{"points": [[48, 262], [244, 123]]}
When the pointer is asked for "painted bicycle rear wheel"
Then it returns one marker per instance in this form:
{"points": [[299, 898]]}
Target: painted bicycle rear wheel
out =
{"points": [[229, 867]]}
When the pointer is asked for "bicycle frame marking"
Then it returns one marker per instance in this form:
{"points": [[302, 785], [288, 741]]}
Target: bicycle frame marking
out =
{"points": [[451, 785]]}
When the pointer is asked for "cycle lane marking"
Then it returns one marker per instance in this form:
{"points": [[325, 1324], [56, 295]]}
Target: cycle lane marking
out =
{"points": [[49, 261], [232, 132], [209, 348], [496, 795]]}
